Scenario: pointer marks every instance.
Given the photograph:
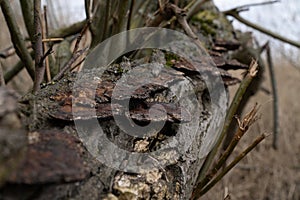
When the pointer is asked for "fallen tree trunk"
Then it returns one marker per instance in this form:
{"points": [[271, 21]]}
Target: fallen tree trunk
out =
{"points": [[77, 148]]}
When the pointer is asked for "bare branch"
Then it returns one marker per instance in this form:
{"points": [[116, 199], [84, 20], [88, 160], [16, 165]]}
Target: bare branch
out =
{"points": [[15, 70], [187, 7], [67, 67], [45, 45], [230, 166], [17, 38], [247, 6], [2, 81], [235, 13], [195, 8], [88, 9], [27, 12], [38, 47], [244, 125], [68, 31], [76, 54], [83, 31], [48, 52], [122, 15], [9, 51], [230, 114], [275, 97], [181, 17], [52, 39]]}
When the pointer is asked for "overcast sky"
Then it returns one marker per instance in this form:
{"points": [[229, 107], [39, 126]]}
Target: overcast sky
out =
{"points": [[282, 17]]}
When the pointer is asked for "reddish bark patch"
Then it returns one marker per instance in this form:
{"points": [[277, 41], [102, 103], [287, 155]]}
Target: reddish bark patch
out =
{"points": [[52, 157]]}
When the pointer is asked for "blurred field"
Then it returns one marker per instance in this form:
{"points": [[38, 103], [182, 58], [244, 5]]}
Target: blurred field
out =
{"points": [[268, 174]]}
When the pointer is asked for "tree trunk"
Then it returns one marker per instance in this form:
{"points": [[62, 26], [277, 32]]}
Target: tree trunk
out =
{"points": [[77, 148]]}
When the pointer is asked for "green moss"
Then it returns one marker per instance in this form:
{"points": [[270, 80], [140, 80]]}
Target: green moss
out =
{"points": [[213, 24], [207, 20], [170, 57]]}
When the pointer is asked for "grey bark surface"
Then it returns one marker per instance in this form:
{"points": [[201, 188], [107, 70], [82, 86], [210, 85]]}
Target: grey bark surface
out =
{"points": [[53, 135], [174, 180]]}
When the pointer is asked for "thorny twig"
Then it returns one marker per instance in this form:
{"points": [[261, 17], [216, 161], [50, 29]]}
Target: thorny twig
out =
{"points": [[230, 166], [230, 114], [244, 125]]}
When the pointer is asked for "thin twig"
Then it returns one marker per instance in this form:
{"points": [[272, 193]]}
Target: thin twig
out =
{"points": [[75, 56], [235, 13], [68, 31], [181, 17], [45, 56], [17, 38], [195, 8], [38, 47], [230, 114], [122, 16], [247, 121], [230, 166], [159, 20], [138, 13], [130, 15], [10, 74], [88, 9], [247, 6], [83, 31], [52, 39], [2, 81], [78, 64], [27, 12], [275, 97], [10, 51], [100, 27], [45, 45]]}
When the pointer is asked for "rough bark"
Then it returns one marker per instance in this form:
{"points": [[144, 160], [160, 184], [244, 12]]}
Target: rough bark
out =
{"points": [[59, 165], [174, 180]]}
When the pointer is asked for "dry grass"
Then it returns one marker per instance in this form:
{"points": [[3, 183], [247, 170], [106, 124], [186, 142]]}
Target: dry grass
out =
{"points": [[267, 173]]}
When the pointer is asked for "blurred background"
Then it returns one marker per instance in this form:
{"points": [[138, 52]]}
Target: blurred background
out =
{"points": [[265, 173]]}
